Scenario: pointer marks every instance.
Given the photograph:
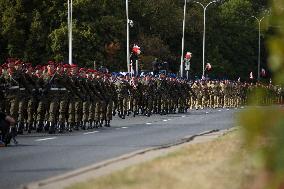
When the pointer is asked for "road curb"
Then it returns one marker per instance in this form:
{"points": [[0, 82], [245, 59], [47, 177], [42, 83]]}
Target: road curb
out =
{"points": [[96, 170]]}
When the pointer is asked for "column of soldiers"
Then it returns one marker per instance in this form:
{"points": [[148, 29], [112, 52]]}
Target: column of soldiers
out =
{"points": [[63, 97]]}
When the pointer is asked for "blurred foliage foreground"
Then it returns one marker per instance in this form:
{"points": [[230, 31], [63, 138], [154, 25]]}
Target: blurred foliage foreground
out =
{"points": [[264, 126]]}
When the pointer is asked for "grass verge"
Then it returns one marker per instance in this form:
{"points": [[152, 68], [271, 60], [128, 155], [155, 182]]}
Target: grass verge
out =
{"points": [[222, 163]]}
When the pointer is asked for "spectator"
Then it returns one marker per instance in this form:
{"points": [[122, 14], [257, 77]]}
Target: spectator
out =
{"points": [[5, 122]]}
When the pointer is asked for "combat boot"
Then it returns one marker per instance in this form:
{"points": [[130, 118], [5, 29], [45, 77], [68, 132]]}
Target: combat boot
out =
{"points": [[101, 123], [108, 123], [91, 124], [123, 116], [113, 113], [51, 128], [39, 126], [76, 126], [46, 126], [105, 125], [61, 128], [70, 127], [30, 127], [84, 125], [20, 128], [95, 124]]}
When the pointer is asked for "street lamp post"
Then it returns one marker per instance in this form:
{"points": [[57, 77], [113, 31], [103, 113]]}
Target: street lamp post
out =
{"points": [[204, 31], [127, 41], [70, 10], [182, 47], [258, 64]]}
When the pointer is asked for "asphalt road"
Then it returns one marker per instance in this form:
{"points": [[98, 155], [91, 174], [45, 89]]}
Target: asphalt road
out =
{"points": [[39, 156]]}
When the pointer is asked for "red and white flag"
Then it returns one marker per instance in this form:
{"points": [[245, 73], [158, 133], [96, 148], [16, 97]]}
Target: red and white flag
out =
{"points": [[208, 66], [239, 80], [136, 49], [263, 72], [251, 75], [188, 55]]}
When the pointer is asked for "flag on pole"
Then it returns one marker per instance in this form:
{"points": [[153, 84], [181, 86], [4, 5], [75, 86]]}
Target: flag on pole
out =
{"points": [[208, 66], [239, 80], [263, 72], [188, 55], [251, 75], [136, 49]]}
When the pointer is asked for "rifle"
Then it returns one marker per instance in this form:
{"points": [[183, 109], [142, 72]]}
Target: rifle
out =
{"points": [[192, 92]]}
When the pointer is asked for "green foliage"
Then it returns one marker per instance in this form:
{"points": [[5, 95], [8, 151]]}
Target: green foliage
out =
{"points": [[36, 30], [264, 126]]}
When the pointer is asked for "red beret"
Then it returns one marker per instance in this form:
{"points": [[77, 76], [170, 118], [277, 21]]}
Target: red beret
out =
{"points": [[10, 64], [38, 67], [18, 62], [82, 70], [5, 65], [66, 66], [74, 66], [50, 62], [60, 65], [89, 71]]}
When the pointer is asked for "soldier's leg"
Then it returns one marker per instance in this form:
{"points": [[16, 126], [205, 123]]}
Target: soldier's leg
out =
{"points": [[211, 101], [86, 106], [91, 117], [203, 102], [103, 112], [179, 105], [97, 113], [224, 101], [21, 114], [135, 106], [14, 108], [62, 113], [53, 112], [150, 107], [131, 103], [78, 113], [31, 111], [120, 107], [191, 103], [196, 103], [109, 113], [215, 104], [71, 115], [124, 106], [40, 115]]}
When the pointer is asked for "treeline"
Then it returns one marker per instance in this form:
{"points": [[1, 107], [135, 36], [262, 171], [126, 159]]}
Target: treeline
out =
{"points": [[36, 31]]}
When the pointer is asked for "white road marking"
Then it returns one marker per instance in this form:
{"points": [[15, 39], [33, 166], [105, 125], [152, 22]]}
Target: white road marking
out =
{"points": [[183, 116], [165, 120], [169, 119], [148, 123], [124, 127], [228, 109], [219, 110], [242, 107], [44, 139], [91, 132], [207, 112]]}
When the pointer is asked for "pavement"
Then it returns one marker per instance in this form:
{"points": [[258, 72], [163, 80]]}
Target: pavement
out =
{"points": [[41, 156]]}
